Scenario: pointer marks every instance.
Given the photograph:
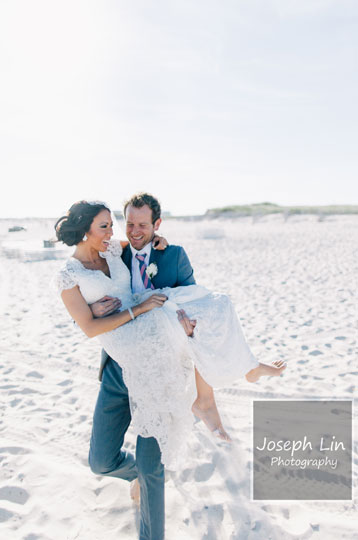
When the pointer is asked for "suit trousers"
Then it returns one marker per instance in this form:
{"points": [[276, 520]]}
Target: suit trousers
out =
{"points": [[110, 422]]}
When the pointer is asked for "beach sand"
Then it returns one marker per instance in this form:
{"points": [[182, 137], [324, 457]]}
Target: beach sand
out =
{"points": [[293, 285]]}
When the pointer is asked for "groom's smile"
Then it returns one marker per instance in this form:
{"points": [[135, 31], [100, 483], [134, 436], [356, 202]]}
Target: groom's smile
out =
{"points": [[139, 226]]}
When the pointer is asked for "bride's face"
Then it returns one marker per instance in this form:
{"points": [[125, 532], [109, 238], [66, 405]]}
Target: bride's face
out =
{"points": [[100, 231]]}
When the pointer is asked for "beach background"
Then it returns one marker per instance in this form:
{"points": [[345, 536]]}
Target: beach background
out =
{"points": [[292, 280], [206, 105]]}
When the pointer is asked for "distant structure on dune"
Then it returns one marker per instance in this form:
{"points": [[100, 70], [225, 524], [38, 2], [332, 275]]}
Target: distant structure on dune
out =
{"points": [[16, 228]]}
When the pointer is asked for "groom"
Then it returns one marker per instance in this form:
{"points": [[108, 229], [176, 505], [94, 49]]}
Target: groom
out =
{"points": [[168, 268]]}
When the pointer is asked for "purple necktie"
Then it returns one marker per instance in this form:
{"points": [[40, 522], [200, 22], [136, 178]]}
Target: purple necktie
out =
{"points": [[142, 267]]}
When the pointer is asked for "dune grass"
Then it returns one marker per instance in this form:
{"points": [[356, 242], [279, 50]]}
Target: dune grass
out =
{"points": [[265, 208]]}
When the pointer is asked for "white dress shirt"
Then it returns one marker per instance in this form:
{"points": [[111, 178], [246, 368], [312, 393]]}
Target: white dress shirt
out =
{"points": [[137, 282]]}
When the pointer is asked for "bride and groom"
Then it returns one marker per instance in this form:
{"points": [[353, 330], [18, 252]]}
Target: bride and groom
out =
{"points": [[154, 372]]}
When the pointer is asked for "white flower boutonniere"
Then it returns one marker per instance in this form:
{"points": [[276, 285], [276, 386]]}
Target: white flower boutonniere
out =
{"points": [[151, 270]]}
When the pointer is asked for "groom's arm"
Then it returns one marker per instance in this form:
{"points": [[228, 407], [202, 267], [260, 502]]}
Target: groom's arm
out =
{"points": [[185, 270], [105, 306]]}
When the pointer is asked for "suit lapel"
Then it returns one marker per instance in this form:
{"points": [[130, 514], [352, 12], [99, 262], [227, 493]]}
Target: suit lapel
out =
{"points": [[154, 258], [127, 259]]}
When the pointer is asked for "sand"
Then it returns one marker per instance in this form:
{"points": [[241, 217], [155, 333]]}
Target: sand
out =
{"points": [[293, 286]]}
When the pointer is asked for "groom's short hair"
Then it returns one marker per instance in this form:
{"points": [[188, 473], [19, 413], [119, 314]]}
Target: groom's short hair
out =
{"points": [[140, 199]]}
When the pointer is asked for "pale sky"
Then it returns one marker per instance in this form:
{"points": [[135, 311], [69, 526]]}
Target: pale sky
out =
{"points": [[204, 103]]}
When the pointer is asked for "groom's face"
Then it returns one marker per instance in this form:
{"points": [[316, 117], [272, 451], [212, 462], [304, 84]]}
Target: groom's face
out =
{"points": [[139, 226]]}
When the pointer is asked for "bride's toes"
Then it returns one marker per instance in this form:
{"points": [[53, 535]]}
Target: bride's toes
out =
{"points": [[278, 363], [280, 367], [221, 434], [209, 414]]}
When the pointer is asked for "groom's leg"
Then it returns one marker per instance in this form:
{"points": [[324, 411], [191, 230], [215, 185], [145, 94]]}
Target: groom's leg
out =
{"points": [[151, 479], [110, 422]]}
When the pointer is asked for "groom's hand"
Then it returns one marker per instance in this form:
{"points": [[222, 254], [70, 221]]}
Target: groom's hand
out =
{"points": [[105, 306], [187, 324]]}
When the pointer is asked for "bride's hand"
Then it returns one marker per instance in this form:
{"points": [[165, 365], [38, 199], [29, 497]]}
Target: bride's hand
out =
{"points": [[156, 300], [159, 242]]}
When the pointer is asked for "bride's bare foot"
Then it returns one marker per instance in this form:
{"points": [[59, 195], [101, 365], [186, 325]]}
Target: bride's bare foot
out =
{"points": [[264, 369], [206, 410], [134, 491]]}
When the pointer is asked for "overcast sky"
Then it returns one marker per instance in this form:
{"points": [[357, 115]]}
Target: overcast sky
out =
{"points": [[204, 103]]}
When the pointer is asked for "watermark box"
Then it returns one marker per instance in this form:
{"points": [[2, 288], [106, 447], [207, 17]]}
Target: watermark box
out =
{"points": [[302, 450]]}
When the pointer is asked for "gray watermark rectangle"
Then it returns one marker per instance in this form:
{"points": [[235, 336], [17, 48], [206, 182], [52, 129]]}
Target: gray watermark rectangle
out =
{"points": [[302, 450]]}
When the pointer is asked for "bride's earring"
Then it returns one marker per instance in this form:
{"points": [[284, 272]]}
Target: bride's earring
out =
{"points": [[85, 238]]}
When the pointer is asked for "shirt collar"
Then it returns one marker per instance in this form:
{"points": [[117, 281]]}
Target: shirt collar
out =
{"points": [[146, 250]]}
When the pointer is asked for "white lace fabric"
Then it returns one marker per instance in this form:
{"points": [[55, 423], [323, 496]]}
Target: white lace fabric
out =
{"points": [[156, 356]]}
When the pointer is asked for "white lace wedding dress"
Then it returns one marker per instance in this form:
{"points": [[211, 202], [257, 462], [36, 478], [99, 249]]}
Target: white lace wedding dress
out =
{"points": [[156, 356]]}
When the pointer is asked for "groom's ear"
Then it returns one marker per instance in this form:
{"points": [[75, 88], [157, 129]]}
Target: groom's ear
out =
{"points": [[157, 224]]}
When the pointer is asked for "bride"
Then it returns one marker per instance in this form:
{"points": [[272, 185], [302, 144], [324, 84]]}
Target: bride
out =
{"points": [[168, 374]]}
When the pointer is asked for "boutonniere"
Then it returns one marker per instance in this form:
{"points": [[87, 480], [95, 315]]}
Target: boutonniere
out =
{"points": [[151, 270]]}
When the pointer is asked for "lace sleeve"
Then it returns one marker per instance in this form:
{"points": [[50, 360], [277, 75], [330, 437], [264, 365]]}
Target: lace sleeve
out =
{"points": [[115, 248], [65, 278]]}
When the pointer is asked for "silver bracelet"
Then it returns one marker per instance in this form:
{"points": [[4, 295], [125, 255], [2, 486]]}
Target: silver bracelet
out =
{"points": [[131, 313]]}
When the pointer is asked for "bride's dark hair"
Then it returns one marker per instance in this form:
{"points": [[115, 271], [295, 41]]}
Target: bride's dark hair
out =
{"points": [[71, 228]]}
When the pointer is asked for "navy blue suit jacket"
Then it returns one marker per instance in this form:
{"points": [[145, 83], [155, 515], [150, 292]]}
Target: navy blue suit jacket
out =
{"points": [[174, 268]]}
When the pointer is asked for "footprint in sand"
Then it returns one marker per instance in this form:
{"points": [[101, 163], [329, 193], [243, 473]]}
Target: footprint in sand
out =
{"points": [[5, 515], [213, 516], [64, 383], [204, 472], [15, 402], [14, 494], [24, 391], [35, 374], [15, 450]]}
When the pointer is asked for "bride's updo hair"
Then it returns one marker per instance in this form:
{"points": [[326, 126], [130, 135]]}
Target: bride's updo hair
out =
{"points": [[71, 228]]}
